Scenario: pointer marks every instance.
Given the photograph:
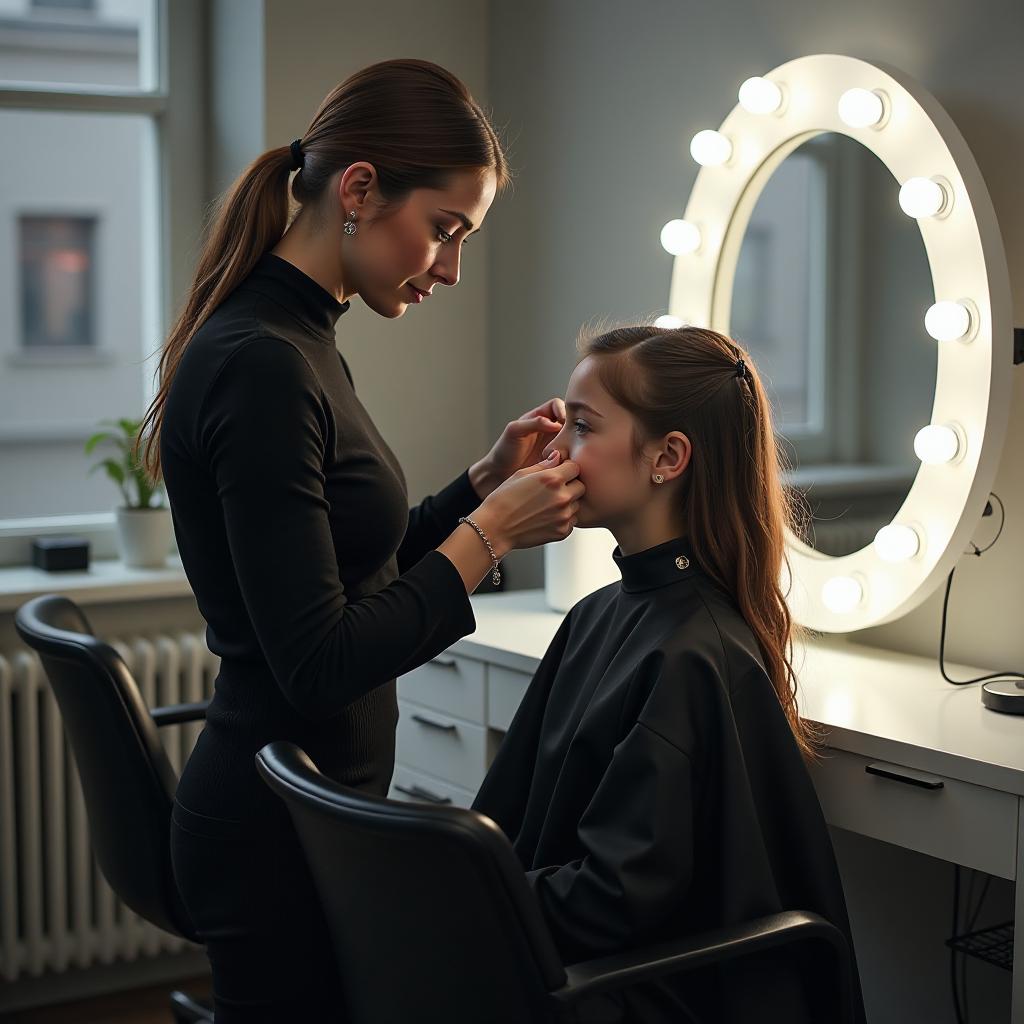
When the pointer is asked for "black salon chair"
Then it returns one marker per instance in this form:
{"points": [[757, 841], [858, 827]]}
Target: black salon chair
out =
{"points": [[126, 777], [433, 920]]}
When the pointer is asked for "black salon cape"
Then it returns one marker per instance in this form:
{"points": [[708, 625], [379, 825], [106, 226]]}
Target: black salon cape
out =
{"points": [[652, 788]]}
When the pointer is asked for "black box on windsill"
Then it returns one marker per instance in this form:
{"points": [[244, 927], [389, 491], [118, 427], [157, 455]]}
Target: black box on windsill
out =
{"points": [[60, 554]]}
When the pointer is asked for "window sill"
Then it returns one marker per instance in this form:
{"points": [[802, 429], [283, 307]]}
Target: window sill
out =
{"points": [[105, 581]]}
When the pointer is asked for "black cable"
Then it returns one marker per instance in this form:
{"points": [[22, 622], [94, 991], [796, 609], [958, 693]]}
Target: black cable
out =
{"points": [[963, 986], [960, 986], [952, 951], [969, 930], [981, 902], [977, 552]]}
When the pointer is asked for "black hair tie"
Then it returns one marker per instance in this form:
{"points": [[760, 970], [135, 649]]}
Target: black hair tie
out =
{"points": [[741, 368], [297, 155]]}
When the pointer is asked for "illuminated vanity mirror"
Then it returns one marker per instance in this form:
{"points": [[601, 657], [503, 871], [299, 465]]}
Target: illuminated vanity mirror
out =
{"points": [[827, 295], [888, 345]]}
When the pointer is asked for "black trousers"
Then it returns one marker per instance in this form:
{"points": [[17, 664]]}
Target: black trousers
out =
{"points": [[254, 906]]}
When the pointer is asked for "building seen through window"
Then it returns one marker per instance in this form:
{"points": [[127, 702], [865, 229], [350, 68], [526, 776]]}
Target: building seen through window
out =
{"points": [[79, 247]]}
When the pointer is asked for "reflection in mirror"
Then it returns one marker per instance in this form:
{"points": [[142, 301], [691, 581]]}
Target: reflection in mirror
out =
{"points": [[829, 296]]}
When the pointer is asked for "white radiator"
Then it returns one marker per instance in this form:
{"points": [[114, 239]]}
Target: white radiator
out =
{"points": [[56, 910]]}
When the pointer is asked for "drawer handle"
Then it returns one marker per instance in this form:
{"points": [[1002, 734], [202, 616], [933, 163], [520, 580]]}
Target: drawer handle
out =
{"points": [[887, 771], [445, 662], [423, 794], [435, 725]]}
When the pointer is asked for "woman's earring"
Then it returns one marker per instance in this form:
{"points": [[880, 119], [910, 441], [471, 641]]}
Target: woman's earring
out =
{"points": [[350, 227], [658, 478]]}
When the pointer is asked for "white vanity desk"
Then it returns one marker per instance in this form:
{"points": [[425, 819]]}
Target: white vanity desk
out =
{"points": [[878, 707]]}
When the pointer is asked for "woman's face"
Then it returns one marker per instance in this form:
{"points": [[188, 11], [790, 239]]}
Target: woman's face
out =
{"points": [[418, 245], [598, 436]]}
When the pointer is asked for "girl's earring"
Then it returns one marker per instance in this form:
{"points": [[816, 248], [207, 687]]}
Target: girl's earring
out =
{"points": [[350, 227], [658, 478]]}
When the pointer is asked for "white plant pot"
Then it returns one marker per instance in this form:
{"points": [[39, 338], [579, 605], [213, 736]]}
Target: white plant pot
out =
{"points": [[144, 536], [577, 566]]}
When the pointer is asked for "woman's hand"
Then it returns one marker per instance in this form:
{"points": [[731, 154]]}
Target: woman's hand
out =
{"points": [[521, 444], [535, 505]]}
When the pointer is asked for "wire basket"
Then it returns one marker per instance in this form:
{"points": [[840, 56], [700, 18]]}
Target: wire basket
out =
{"points": [[994, 945]]}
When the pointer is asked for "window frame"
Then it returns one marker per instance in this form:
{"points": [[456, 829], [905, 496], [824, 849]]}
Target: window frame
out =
{"points": [[177, 109]]}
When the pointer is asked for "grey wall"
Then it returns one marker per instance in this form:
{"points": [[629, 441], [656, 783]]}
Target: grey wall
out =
{"points": [[601, 99]]}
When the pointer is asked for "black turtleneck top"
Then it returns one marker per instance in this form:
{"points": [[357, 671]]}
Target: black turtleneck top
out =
{"points": [[652, 788], [319, 585]]}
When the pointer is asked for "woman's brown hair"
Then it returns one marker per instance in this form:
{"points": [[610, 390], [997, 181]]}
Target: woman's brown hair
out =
{"points": [[414, 121], [733, 503]]}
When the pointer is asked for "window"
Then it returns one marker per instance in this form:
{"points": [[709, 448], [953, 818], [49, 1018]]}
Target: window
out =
{"points": [[56, 281], [93, 99]]}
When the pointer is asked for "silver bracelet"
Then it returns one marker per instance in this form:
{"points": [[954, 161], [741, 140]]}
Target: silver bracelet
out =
{"points": [[495, 571]]}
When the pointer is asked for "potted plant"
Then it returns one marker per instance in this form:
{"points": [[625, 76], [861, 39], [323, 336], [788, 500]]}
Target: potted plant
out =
{"points": [[143, 521]]}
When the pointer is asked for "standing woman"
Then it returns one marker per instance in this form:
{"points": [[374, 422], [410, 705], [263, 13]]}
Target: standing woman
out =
{"points": [[318, 583]]}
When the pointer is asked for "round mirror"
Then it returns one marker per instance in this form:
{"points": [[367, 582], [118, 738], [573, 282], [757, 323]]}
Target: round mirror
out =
{"points": [[829, 295], [864, 373]]}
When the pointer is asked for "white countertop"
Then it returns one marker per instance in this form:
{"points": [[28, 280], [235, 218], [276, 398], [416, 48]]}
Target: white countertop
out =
{"points": [[883, 705]]}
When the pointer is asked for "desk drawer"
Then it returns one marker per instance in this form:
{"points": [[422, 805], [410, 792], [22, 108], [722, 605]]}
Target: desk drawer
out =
{"points": [[955, 821], [440, 745], [449, 683], [416, 787], [505, 691]]}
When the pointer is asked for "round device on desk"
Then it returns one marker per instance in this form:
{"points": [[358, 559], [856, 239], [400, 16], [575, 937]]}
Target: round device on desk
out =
{"points": [[1006, 695]]}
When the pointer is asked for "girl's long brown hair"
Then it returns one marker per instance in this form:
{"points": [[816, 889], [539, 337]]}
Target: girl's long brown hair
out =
{"points": [[413, 120], [733, 503]]}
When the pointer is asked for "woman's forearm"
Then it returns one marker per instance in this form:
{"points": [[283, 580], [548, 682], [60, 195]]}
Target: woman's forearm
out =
{"points": [[468, 553]]}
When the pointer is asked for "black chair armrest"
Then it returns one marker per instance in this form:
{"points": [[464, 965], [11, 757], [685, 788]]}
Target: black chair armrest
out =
{"points": [[174, 714], [614, 972]]}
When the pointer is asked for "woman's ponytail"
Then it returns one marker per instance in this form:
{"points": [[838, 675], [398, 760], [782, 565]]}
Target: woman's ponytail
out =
{"points": [[251, 219]]}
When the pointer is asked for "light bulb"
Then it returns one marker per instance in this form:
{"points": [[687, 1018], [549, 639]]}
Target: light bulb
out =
{"points": [[760, 96], [861, 108], [669, 321], [710, 148], [842, 593], [897, 542], [922, 197], [679, 237], [948, 321], [936, 444]]}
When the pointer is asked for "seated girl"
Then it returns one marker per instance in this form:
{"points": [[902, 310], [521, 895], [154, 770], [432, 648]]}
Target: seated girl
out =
{"points": [[654, 780]]}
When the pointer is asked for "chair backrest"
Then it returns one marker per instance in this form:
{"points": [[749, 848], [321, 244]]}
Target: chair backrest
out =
{"points": [[127, 780], [440, 890]]}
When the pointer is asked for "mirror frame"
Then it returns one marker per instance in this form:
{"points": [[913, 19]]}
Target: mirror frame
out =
{"points": [[915, 138]]}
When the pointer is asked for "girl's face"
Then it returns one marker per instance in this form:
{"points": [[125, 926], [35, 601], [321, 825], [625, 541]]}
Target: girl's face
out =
{"points": [[598, 436], [417, 246]]}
